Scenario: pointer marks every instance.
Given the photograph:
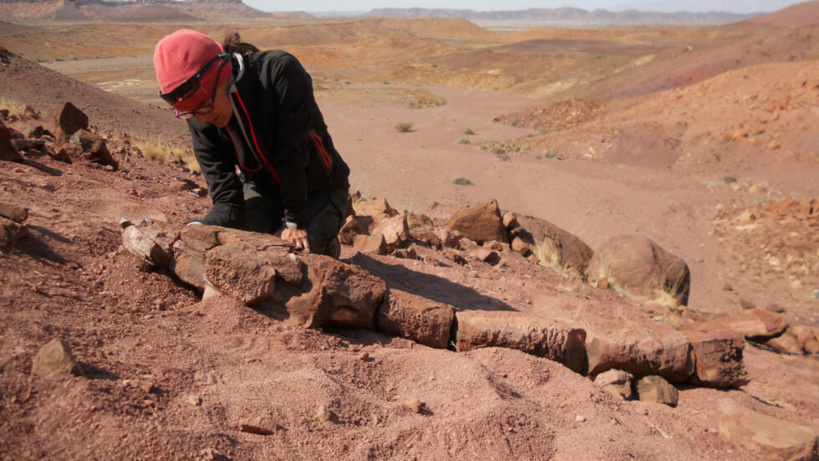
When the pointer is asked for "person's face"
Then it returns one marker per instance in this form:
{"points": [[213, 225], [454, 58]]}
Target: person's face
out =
{"points": [[222, 110]]}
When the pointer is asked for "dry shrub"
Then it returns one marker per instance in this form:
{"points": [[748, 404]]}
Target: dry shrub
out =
{"points": [[164, 152], [403, 127]]}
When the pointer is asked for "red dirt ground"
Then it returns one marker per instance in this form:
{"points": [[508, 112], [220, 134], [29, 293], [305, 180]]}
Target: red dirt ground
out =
{"points": [[172, 377]]}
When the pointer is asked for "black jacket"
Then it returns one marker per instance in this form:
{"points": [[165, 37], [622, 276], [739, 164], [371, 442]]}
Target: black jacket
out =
{"points": [[277, 138]]}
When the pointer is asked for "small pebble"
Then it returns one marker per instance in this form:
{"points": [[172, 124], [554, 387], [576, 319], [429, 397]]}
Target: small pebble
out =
{"points": [[323, 414], [580, 418], [414, 405]]}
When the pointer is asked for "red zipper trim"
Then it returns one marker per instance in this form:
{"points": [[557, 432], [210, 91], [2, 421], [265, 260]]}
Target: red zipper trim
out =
{"points": [[255, 142], [236, 149], [324, 154]]}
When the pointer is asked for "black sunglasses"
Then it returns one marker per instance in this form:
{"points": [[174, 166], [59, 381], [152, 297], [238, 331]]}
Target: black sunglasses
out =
{"points": [[191, 85]]}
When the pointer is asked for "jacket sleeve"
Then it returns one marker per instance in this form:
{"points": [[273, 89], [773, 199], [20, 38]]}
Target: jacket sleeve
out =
{"points": [[216, 161], [293, 89]]}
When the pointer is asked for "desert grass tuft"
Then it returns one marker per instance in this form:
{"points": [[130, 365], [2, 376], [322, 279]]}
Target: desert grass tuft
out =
{"points": [[461, 181], [463, 142], [14, 106], [164, 152], [403, 127]]}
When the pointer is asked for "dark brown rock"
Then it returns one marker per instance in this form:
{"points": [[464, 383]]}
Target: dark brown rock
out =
{"points": [[67, 121], [188, 265], [54, 360], [7, 152], [552, 245], [641, 352], [656, 389], [237, 270], [14, 213], [331, 294], [480, 223], [11, 232], [95, 149], [642, 268], [514, 330], [420, 319], [775, 438], [718, 359]]}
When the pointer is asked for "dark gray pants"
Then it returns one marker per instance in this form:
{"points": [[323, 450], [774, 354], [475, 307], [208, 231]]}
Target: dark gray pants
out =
{"points": [[325, 214]]}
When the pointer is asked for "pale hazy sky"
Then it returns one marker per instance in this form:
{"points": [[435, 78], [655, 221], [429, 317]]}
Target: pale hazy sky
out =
{"points": [[736, 6]]}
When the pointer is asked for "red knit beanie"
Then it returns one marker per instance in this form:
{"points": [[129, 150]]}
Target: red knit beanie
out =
{"points": [[182, 54]]}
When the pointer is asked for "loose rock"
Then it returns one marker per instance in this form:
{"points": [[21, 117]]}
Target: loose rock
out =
{"points": [[775, 438], [656, 389], [54, 360]]}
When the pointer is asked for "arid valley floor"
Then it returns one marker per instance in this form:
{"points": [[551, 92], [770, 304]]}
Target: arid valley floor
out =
{"points": [[702, 139]]}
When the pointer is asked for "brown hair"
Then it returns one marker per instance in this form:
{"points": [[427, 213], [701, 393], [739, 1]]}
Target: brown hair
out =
{"points": [[234, 44]]}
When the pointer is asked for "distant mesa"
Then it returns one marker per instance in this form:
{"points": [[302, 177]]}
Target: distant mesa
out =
{"points": [[567, 16]]}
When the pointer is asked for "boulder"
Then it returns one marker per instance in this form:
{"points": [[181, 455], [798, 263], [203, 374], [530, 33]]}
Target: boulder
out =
{"points": [[331, 294], [480, 223], [54, 360], [7, 152], [616, 382], [67, 121], [756, 324], [718, 359], [374, 244], [552, 245], [642, 268], [656, 389], [641, 352], [775, 438], [419, 319], [514, 330]]}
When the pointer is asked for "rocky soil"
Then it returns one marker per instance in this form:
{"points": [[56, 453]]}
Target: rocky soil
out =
{"points": [[145, 362]]}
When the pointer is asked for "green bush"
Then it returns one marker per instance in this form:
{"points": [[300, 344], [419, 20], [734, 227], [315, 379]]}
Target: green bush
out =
{"points": [[461, 181]]}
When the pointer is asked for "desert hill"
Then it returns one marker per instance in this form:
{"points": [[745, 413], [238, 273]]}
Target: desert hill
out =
{"points": [[717, 170], [101, 10]]}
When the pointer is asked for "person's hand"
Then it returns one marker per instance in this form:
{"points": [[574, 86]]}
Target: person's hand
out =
{"points": [[296, 238]]}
